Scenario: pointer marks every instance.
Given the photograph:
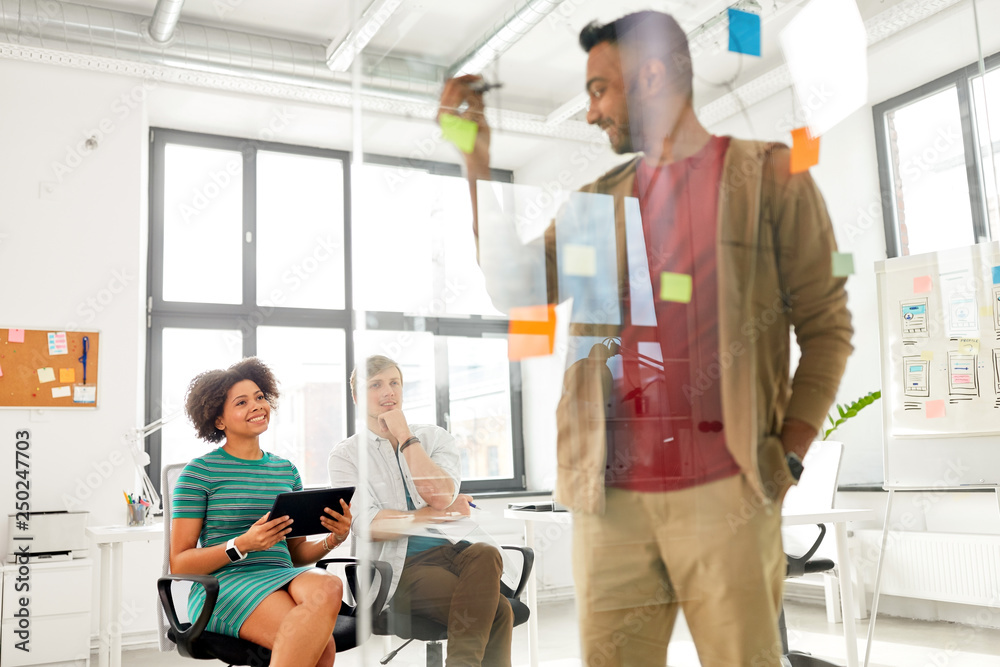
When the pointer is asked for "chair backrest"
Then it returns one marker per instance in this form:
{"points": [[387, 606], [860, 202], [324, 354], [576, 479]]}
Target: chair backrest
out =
{"points": [[180, 589], [818, 486], [814, 493]]}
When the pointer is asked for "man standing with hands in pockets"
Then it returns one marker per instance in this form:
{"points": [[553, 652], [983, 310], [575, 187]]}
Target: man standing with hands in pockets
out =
{"points": [[675, 459], [414, 477]]}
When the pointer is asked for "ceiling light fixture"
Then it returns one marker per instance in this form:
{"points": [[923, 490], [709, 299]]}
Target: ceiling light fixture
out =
{"points": [[340, 57], [509, 33]]}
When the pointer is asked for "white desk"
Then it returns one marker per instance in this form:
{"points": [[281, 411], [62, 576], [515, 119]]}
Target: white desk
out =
{"points": [[838, 518], [110, 539]]}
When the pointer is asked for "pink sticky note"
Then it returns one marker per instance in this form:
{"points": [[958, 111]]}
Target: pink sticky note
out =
{"points": [[1, 372], [935, 409], [921, 284], [15, 335]]}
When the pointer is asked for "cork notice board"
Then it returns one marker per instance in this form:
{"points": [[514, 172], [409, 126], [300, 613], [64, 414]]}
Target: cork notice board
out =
{"points": [[45, 368]]}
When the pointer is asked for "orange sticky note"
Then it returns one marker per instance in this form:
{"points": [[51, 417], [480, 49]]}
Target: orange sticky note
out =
{"points": [[15, 335], [922, 284], [805, 150], [531, 332], [935, 409], [67, 375]]}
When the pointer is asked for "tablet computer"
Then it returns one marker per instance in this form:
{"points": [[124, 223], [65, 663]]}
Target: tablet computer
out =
{"points": [[306, 507]]}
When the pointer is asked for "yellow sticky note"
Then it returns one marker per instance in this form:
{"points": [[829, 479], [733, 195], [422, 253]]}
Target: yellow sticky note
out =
{"points": [[985, 311], [579, 260], [927, 355], [675, 287], [968, 345], [67, 375], [459, 131], [46, 375]]}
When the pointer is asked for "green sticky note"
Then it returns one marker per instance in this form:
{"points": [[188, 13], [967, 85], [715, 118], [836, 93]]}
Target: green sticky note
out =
{"points": [[843, 264], [459, 131], [675, 287]]}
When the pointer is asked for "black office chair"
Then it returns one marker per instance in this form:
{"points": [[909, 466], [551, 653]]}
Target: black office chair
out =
{"points": [[797, 567], [419, 628], [192, 640]]}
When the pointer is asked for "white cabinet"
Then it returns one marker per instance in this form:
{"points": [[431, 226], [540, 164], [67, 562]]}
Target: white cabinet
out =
{"points": [[58, 614]]}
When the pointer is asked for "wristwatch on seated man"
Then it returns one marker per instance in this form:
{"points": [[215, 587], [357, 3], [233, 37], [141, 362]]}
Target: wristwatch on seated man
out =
{"points": [[234, 553]]}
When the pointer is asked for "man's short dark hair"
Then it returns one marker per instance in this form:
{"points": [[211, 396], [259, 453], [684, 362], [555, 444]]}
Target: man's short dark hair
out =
{"points": [[645, 35]]}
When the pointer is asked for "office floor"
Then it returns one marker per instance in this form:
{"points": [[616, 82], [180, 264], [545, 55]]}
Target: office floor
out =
{"points": [[899, 643]]}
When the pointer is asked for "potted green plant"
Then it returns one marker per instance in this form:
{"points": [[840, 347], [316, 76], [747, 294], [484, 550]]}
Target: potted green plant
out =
{"points": [[847, 411]]}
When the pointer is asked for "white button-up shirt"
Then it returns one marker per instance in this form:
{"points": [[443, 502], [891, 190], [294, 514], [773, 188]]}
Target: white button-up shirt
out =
{"points": [[385, 485]]}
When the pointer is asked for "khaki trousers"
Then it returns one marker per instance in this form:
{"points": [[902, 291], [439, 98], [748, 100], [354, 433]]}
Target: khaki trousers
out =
{"points": [[459, 586], [712, 550]]}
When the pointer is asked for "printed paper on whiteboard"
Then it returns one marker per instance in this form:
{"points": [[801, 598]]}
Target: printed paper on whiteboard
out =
{"points": [[826, 50]]}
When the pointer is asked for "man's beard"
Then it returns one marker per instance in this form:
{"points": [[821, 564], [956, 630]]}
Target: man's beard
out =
{"points": [[623, 144]]}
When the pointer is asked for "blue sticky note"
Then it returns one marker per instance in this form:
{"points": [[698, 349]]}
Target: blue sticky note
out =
{"points": [[996, 275], [744, 32]]}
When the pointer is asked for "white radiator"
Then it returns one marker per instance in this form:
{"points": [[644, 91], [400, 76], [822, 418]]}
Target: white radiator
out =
{"points": [[946, 567]]}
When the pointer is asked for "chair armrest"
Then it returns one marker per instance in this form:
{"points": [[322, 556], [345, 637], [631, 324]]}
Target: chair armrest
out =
{"points": [[528, 562], [797, 565], [185, 638], [383, 569]]}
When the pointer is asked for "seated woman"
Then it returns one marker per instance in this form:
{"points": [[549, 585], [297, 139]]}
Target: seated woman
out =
{"points": [[221, 526]]}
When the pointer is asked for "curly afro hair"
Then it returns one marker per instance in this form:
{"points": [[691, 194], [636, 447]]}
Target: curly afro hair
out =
{"points": [[206, 394]]}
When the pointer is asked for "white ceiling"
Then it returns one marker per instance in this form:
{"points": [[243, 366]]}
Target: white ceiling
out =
{"points": [[544, 69]]}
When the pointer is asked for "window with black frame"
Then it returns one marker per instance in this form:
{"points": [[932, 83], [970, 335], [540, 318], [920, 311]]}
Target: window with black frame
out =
{"points": [[248, 256], [938, 153]]}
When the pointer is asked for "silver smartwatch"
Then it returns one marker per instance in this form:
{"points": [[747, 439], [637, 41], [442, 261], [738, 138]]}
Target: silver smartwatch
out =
{"points": [[234, 552]]}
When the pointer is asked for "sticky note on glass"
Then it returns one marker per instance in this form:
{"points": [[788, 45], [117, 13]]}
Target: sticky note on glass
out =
{"points": [[927, 355], [57, 343], [85, 394], [531, 332], [579, 260], [826, 50], [675, 287], [805, 151], [459, 131], [985, 312], [968, 345], [922, 285], [67, 375], [60, 392], [744, 32], [996, 275], [46, 375], [934, 409], [843, 264], [15, 335]]}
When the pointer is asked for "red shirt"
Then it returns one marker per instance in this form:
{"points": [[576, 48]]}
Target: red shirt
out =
{"points": [[664, 434]]}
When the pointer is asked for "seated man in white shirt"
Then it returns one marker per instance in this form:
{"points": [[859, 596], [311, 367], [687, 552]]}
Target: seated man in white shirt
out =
{"points": [[413, 473]]}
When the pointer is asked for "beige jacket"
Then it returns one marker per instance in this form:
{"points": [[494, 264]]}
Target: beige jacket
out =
{"points": [[774, 272]]}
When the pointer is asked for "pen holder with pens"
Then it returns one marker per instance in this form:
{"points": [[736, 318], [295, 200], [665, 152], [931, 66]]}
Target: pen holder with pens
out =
{"points": [[138, 515]]}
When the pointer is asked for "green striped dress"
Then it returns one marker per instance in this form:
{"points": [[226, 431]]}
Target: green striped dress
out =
{"points": [[230, 494]]}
